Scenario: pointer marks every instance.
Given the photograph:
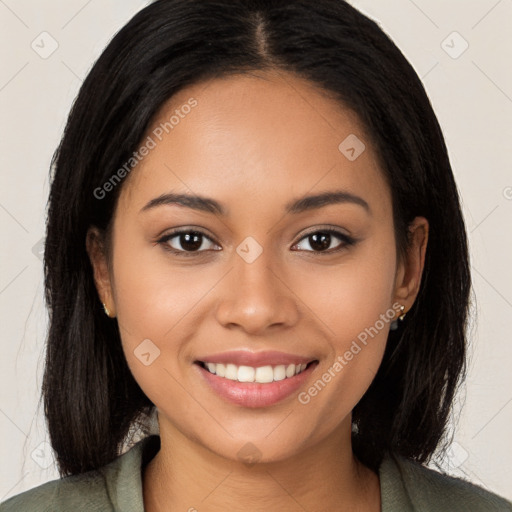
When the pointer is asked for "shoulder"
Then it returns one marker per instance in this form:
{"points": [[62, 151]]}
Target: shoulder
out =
{"points": [[115, 486], [429, 490], [87, 491]]}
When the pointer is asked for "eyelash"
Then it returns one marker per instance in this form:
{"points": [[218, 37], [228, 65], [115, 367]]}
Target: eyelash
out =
{"points": [[347, 241]]}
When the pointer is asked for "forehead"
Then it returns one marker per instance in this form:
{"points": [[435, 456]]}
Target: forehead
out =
{"points": [[257, 137]]}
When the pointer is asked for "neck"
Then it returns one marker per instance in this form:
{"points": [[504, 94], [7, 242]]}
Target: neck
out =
{"points": [[185, 475]]}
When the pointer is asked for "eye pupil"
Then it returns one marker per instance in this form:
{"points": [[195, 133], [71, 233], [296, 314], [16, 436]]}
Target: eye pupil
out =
{"points": [[320, 241], [190, 241]]}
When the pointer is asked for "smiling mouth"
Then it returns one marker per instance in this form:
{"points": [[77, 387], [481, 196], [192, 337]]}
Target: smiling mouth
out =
{"points": [[261, 374]]}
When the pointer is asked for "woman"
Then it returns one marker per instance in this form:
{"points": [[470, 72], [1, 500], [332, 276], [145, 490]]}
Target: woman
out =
{"points": [[255, 233]]}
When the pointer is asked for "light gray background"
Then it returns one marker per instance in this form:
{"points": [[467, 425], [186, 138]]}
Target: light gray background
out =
{"points": [[471, 94]]}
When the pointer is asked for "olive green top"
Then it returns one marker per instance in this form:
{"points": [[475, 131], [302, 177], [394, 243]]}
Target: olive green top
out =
{"points": [[405, 486]]}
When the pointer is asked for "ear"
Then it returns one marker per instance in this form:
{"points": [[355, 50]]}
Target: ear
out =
{"points": [[410, 270], [95, 246]]}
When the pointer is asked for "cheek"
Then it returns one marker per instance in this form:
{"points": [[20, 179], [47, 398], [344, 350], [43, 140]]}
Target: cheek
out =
{"points": [[151, 303], [350, 296], [353, 303], [157, 305], [151, 295]]}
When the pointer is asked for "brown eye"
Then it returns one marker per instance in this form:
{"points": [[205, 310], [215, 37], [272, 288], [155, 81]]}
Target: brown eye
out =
{"points": [[185, 242], [321, 240]]}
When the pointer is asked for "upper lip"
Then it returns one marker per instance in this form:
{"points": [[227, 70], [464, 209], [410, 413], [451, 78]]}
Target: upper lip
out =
{"points": [[255, 359]]}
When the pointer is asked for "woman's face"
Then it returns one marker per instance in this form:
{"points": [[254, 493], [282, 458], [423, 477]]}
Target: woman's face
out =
{"points": [[263, 274]]}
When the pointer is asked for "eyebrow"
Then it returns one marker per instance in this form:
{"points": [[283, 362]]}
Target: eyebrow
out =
{"points": [[296, 206]]}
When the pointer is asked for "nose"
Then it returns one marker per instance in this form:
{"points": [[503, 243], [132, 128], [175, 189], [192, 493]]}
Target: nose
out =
{"points": [[257, 296]]}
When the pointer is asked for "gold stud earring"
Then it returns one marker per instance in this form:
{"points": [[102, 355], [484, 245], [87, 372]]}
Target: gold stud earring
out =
{"points": [[394, 323]]}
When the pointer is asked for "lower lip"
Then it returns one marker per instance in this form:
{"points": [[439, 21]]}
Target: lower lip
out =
{"points": [[255, 394]]}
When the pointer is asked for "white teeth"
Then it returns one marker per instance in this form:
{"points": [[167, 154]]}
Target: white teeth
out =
{"points": [[246, 374], [290, 370], [264, 374], [231, 372], [261, 374], [279, 372]]}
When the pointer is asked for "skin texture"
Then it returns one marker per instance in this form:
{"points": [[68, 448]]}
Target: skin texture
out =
{"points": [[254, 143]]}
